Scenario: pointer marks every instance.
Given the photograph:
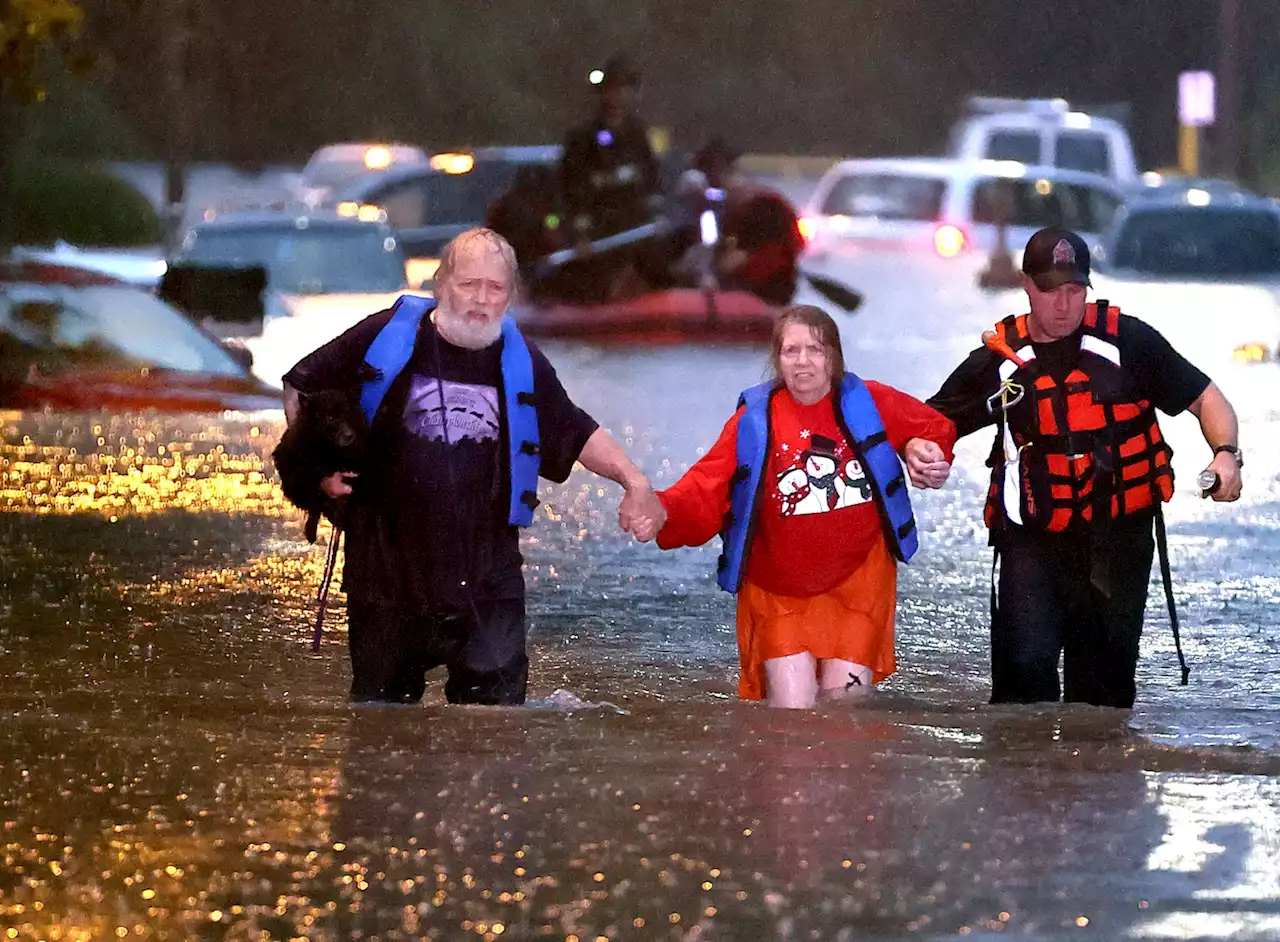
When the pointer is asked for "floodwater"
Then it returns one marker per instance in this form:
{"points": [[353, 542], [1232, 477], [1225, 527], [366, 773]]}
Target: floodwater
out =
{"points": [[176, 763]]}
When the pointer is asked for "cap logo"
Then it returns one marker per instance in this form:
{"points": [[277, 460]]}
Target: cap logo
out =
{"points": [[1063, 253]]}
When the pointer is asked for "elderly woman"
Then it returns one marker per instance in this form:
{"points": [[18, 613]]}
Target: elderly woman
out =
{"points": [[806, 488]]}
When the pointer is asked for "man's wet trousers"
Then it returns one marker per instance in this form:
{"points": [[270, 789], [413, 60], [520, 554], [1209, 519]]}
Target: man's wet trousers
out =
{"points": [[1077, 596]]}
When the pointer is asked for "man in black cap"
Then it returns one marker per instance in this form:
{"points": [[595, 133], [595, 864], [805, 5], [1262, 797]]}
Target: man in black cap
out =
{"points": [[1079, 470], [609, 175]]}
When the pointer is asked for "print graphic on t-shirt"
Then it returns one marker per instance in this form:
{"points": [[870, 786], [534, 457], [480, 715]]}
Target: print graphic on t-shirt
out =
{"points": [[823, 477], [472, 410]]}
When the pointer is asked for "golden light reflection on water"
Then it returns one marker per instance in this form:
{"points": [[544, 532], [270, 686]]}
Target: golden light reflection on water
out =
{"points": [[137, 464]]}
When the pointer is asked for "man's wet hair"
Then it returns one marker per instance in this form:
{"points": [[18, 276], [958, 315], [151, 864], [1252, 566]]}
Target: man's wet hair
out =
{"points": [[477, 240], [821, 323]]}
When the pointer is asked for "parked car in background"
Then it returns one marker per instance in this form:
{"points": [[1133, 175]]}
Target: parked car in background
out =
{"points": [[336, 164], [325, 272], [428, 206], [141, 266], [948, 209], [1201, 268], [1045, 132], [75, 340], [1162, 186]]}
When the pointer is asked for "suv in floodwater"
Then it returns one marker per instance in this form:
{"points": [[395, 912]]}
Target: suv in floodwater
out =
{"points": [[948, 209], [1045, 132]]}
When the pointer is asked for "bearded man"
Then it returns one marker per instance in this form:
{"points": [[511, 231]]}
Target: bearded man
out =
{"points": [[465, 415]]}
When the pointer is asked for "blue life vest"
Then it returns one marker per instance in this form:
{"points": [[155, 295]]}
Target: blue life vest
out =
{"points": [[393, 347], [860, 421]]}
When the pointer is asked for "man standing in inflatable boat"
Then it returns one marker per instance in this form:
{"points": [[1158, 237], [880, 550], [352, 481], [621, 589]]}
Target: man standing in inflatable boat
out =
{"points": [[1079, 470]]}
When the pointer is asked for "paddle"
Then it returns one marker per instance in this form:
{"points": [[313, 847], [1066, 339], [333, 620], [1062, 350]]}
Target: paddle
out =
{"points": [[840, 295]]}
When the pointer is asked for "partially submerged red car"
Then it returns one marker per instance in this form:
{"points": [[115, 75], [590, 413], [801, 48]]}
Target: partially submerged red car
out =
{"points": [[76, 340]]}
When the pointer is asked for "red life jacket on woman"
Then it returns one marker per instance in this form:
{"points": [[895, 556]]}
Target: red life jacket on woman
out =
{"points": [[1071, 452]]}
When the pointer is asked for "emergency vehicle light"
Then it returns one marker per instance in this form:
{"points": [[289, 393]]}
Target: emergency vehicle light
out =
{"points": [[453, 163], [377, 157]]}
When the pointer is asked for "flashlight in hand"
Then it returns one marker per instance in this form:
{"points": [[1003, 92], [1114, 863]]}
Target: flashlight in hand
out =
{"points": [[1208, 481]]}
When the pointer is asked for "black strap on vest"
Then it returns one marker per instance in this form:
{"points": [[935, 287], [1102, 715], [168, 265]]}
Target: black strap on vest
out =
{"points": [[1162, 543], [995, 605]]}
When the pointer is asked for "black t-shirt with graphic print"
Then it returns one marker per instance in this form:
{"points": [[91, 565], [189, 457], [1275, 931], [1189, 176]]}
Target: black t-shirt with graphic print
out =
{"points": [[431, 509], [1161, 375]]}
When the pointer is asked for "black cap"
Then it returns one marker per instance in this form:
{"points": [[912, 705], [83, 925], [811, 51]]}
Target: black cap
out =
{"points": [[1056, 257], [618, 72]]}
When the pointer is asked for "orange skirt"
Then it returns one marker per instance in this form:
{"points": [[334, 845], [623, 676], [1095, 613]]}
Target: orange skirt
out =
{"points": [[852, 622]]}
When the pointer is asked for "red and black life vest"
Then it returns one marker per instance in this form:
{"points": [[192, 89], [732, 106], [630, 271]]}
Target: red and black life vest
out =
{"points": [[1073, 451]]}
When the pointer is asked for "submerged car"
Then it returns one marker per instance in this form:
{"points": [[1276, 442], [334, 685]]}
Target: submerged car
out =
{"points": [[325, 273], [1201, 267], [337, 164], [948, 209], [429, 205], [73, 340]]}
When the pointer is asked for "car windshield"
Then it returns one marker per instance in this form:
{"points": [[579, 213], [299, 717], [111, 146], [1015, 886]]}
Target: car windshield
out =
{"points": [[1200, 243], [1022, 146], [1036, 203], [886, 196], [1083, 150], [333, 173], [443, 199], [106, 327], [354, 259]]}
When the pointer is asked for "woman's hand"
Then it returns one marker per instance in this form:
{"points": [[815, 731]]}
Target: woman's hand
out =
{"points": [[927, 464]]}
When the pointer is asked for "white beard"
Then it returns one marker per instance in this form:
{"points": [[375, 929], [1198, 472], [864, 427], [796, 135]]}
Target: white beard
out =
{"points": [[463, 333]]}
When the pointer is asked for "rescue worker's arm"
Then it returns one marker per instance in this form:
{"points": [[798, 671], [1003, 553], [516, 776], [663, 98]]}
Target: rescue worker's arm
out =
{"points": [[696, 504], [1219, 426], [965, 394], [640, 512]]}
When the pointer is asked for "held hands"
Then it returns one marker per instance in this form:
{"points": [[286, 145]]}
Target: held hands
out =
{"points": [[927, 465], [1227, 468], [641, 512]]}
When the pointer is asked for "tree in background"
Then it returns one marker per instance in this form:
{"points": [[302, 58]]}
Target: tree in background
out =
{"points": [[32, 32]]}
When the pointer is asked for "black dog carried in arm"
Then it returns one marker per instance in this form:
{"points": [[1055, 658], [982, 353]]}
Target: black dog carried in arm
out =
{"points": [[329, 435]]}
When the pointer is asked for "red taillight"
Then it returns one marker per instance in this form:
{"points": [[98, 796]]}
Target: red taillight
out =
{"points": [[949, 240], [807, 227]]}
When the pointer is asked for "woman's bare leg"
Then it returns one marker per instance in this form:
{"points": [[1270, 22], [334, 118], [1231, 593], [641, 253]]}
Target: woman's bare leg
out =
{"points": [[843, 680], [791, 682]]}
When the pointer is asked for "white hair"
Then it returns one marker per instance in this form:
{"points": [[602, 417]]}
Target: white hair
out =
{"points": [[477, 240]]}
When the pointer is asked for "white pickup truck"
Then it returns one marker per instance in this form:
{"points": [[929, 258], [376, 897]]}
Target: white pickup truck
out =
{"points": [[1045, 132]]}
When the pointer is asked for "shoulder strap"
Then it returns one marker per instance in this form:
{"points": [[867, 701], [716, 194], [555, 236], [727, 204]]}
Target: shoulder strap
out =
{"points": [[391, 349]]}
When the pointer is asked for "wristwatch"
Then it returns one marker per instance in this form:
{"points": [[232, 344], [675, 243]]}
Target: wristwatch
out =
{"points": [[1233, 450]]}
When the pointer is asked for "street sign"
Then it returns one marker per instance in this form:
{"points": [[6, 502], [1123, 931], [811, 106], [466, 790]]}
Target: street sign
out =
{"points": [[1195, 99]]}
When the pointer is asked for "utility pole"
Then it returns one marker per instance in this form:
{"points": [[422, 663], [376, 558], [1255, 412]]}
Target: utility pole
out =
{"points": [[1226, 158], [175, 54]]}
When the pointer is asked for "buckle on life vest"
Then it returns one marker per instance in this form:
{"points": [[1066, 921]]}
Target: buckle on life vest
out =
{"points": [[1077, 445], [1009, 394], [529, 499]]}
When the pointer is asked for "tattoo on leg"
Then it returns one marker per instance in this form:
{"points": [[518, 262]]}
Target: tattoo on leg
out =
{"points": [[854, 681]]}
